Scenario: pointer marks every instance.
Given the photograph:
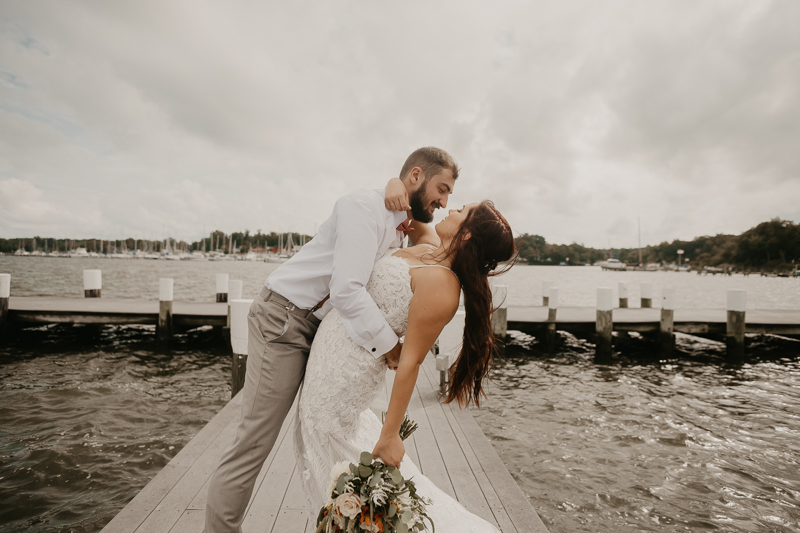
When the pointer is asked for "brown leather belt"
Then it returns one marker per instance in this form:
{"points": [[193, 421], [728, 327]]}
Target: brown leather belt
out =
{"points": [[321, 303]]}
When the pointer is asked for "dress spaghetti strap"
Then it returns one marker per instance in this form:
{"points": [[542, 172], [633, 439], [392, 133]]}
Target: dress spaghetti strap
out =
{"points": [[440, 266]]}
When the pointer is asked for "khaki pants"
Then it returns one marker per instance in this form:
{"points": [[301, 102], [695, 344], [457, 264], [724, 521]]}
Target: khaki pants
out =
{"points": [[279, 340]]}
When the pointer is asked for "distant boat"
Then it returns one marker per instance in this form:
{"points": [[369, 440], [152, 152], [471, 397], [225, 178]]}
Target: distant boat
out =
{"points": [[613, 264]]}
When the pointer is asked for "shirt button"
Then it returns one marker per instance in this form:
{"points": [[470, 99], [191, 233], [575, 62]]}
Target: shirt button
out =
{"points": [[373, 349]]}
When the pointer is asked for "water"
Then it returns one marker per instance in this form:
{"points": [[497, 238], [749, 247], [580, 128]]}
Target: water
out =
{"points": [[88, 416]]}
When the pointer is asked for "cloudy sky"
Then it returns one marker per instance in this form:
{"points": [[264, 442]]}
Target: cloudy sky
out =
{"points": [[577, 118]]}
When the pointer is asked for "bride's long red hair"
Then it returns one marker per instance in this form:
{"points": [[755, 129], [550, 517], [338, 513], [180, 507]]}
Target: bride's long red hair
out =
{"points": [[482, 242]]}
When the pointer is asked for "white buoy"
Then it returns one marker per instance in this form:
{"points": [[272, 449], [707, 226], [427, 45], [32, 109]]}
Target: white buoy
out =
{"points": [[222, 288], [92, 283], [239, 332]]}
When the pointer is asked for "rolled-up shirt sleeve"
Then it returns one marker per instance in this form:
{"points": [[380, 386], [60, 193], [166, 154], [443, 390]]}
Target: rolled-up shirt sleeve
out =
{"points": [[359, 227]]}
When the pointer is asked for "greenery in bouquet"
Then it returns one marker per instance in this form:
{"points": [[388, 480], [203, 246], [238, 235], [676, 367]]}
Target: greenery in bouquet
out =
{"points": [[372, 497]]}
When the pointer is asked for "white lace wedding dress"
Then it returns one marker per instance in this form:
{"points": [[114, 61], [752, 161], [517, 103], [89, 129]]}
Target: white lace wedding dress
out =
{"points": [[334, 421]]}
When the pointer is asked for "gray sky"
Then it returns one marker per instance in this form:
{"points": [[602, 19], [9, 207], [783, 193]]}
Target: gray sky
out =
{"points": [[153, 117]]}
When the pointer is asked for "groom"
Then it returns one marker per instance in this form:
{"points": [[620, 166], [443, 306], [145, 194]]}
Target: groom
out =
{"points": [[331, 271]]}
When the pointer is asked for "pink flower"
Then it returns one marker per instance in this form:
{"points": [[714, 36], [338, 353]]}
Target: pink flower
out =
{"points": [[348, 505]]}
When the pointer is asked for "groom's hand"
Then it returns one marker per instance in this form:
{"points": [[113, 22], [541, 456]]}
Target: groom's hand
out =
{"points": [[393, 356], [396, 197], [390, 450]]}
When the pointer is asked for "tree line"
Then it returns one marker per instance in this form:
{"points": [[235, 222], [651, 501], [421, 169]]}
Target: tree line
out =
{"points": [[773, 245], [769, 246]]}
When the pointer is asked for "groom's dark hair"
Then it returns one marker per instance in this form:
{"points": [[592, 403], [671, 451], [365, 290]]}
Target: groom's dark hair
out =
{"points": [[431, 160]]}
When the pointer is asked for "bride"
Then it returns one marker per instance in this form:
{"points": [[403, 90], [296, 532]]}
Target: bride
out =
{"points": [[417, 289]]}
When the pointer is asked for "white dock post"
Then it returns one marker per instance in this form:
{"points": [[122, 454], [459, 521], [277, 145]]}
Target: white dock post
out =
{"points": [[239, 310], [734, 336], [165, 294], [92, 283], [222, 288], [666, 327], [647, 295], [546, 292], [234, 293], [450, 340], [623, 294], [605, 321], [500, 313], [551, 318], [5, 294]]}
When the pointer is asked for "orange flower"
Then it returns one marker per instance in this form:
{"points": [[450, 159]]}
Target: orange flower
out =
{"points": [[376, 524]]}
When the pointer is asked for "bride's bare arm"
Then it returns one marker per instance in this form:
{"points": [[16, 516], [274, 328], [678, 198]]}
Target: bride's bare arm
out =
{"points": [[433, 305]]}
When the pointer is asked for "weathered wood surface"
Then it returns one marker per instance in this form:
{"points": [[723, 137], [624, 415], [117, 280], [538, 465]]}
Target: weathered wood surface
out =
{"points": [[449, 447], [582, 319], [45, 309]]}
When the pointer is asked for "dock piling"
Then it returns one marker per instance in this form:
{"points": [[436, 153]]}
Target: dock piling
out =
{"points": [[546, 292], [450, 340], [647, 295], [623, 294], [92, 283], [666, 327], [165, 296], [239, 329], [222, 288], [604, 326], [5, 294], [500, 313], [734, 336], [551, 319], [234, 293]]}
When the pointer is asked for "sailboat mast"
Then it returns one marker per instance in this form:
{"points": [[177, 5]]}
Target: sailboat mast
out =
{"points": [[639, 221]]}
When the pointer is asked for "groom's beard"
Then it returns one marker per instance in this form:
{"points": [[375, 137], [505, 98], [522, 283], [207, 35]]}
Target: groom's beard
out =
{"points": [[418, 202]]}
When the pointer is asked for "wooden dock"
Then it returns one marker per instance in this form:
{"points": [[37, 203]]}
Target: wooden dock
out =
{"points": [[534, 320], [54, 310], [449, 448], [528, 319]]}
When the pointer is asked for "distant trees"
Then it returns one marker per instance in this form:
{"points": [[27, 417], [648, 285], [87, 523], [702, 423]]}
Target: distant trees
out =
{"points": [[772, 245]]}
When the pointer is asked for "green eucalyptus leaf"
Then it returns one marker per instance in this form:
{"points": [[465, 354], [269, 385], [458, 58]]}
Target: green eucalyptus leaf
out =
{"points": [[397, 478], [366, 458], [364, 471]]}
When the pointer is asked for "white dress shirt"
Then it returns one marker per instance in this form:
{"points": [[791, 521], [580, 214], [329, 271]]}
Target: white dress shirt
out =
{"points": [[339, 260]]}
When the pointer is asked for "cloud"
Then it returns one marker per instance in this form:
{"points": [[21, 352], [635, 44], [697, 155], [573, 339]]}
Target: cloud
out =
{"points": [[576, 118]]}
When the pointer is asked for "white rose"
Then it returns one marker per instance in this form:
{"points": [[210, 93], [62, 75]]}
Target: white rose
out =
{"points": [[348, 505]]}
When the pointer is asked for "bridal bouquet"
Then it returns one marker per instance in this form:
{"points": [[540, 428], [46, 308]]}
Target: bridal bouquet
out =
{"points": [[373, 497]]}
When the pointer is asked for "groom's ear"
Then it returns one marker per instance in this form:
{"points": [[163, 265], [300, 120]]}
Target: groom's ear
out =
{"points": [[415, 176]]}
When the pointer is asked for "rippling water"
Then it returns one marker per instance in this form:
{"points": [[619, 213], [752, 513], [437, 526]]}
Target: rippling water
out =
{"points": [[89, 415], [688, 444]]}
